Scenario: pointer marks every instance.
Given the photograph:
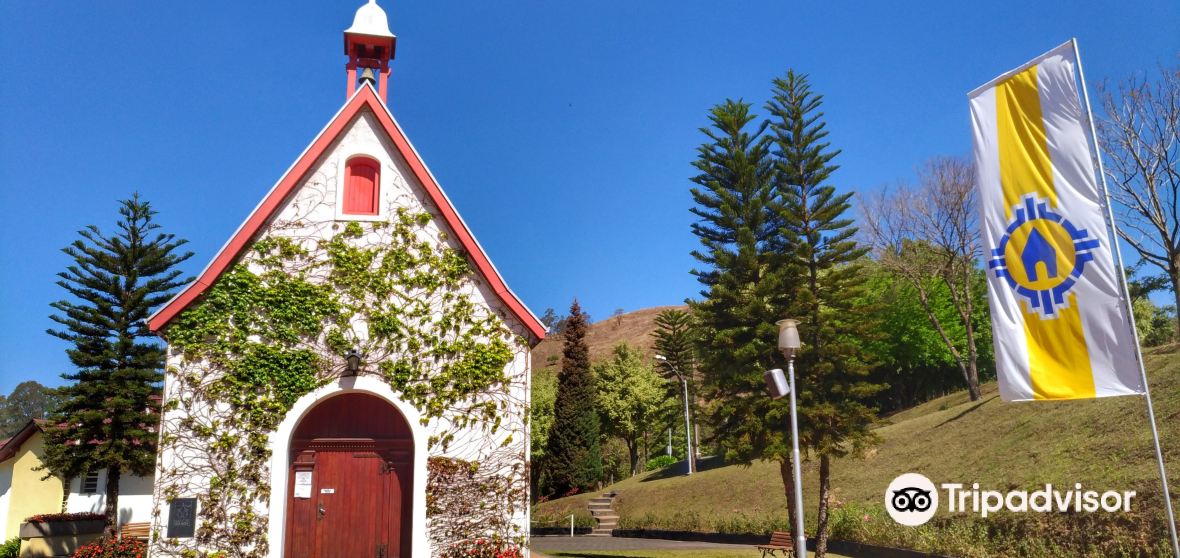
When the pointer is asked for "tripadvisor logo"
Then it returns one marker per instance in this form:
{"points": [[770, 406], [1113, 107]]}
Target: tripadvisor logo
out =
{"points": [[912, 499]]}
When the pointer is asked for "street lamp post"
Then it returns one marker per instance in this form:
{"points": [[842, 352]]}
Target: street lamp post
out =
{"points": [[687, 429], [788, 345]]}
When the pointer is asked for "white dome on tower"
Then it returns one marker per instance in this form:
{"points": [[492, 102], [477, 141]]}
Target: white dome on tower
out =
{"points": [[370, 20]]}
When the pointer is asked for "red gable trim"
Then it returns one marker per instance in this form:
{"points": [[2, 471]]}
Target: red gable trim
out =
{"points": [[364, 98], [12, 445]]}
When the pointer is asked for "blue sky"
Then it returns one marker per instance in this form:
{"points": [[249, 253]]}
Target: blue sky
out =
{"points": [[563, 133]]}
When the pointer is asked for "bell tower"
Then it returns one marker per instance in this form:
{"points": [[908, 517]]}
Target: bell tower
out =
{"points": [[369, 45]]}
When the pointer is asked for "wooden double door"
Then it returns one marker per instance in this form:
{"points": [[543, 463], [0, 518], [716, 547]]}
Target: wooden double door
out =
{"points": [[349, 497]]}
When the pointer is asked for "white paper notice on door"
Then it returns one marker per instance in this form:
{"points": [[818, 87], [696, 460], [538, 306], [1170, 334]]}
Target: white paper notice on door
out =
{"points": [[303, 484]]}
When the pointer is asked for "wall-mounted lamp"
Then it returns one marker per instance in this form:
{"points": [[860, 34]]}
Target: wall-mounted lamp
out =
{"points": [[352, 362]]}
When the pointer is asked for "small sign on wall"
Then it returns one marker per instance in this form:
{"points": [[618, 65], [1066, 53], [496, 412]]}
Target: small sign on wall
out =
{"points": [[303, 484], [182, 518]]}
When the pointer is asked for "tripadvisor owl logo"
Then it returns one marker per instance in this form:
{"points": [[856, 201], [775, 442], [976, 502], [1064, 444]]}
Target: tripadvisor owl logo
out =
{"points": [[911, 499]]}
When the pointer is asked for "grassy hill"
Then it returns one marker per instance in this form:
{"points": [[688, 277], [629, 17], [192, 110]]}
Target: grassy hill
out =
{"points": [[1104, 444], [633, 328]]}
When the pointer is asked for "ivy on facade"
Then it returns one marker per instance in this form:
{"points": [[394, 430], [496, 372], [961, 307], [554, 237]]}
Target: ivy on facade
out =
{"points": [[277, 325]]}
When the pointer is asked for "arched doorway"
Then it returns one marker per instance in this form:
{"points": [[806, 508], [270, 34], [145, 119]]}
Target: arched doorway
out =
{"points": [[350, 479]]}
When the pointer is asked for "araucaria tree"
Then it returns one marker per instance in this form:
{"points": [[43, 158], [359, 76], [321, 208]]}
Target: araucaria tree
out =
{"points": [[675, 340], [744, 290], [107, 417], [820, 241], [573, 460]]}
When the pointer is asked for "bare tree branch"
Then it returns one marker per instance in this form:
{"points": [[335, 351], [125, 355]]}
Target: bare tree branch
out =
{"points": [[929, 235], [1140, 138]]}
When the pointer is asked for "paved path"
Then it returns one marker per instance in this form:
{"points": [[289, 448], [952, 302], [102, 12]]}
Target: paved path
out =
{"points": [[559, 544]]}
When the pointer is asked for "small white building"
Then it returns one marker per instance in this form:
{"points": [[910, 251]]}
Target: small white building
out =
{"points": [[88, 495], [350, 375]]}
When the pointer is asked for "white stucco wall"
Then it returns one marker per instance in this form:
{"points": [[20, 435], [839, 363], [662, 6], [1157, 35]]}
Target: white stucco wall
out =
{"points": [[5, 496], [135, 498], [310, 213]]}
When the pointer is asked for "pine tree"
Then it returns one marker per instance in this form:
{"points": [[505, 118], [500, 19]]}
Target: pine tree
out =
{"points": [[675, 341], [573, 460], [745, 281], [819, 240], [107, 418]]}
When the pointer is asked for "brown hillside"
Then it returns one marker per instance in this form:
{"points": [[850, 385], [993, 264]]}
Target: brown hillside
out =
{"points": [[633, 328]]}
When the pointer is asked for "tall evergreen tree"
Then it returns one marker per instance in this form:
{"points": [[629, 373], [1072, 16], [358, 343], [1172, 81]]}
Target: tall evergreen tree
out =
{"points": [[573, 460], [819, 239], [745, 280], [675, 340], [107, 418]]}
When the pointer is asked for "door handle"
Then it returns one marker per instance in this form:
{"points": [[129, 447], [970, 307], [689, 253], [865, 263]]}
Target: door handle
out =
{"points": [[320, 511], [381, 551]]}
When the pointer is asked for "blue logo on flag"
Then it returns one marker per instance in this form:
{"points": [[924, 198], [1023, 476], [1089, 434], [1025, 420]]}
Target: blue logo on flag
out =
{"points": [[1041, 256]]}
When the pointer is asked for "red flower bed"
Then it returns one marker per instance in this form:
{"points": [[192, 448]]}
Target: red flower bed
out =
{"points": [[113, 548], [51, 517]]}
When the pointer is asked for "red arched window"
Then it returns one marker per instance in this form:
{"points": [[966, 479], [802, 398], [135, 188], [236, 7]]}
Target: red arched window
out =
{"points": [[362, 186]]}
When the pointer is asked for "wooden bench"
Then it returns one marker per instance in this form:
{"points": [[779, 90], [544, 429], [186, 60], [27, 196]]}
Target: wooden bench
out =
{"points": [[141, 531], [779, 541]]}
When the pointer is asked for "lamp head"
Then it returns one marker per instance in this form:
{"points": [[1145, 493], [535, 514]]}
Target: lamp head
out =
{"points": [[352, 362], [788, 337], [661, 358], [776, 383]]}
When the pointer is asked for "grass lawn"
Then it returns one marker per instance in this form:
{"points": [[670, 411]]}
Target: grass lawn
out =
{"points": [[1105, 444]]}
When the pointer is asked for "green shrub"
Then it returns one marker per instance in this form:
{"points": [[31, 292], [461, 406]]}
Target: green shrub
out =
{"points": [[660, 461], [10, 548]]}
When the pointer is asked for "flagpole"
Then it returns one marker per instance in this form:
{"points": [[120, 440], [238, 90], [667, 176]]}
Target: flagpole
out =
{"points": [[1155, 435]]}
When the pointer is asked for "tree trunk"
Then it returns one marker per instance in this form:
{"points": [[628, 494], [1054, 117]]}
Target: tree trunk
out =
{"points": [[784, 470], [1175, 276], [65, 494], [973, 380], [633, 454], [970, 376], [821, 527], [112, 501]]}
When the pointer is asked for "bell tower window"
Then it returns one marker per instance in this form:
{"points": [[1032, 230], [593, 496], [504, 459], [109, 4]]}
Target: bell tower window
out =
{"points": [[362, 186]]}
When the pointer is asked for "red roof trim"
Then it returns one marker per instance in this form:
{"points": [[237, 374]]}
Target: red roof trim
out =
{"points": [[12, 445], [365, 97]]}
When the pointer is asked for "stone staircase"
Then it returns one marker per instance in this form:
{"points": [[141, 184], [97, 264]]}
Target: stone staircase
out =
{"points": [[604, 514]]}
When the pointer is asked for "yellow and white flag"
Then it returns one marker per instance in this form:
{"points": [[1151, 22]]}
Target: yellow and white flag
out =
{"points": [[1059, 319]]}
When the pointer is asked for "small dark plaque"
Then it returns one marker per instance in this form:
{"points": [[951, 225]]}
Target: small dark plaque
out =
{"points": [[182, 517]]}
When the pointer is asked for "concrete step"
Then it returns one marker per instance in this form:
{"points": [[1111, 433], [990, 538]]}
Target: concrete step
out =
{"points": [[604, 514]]}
